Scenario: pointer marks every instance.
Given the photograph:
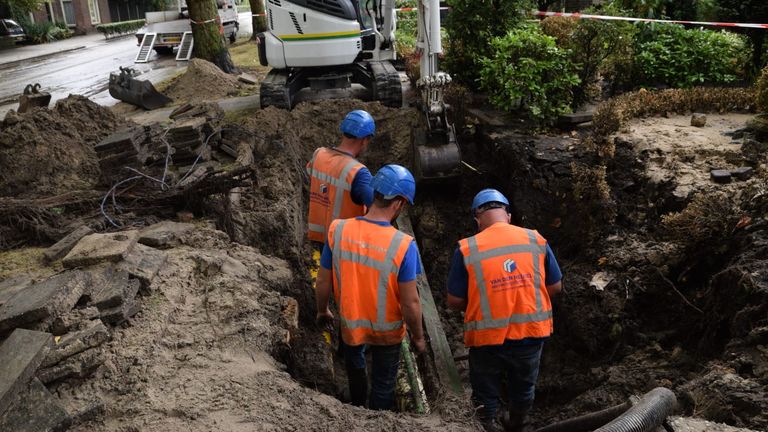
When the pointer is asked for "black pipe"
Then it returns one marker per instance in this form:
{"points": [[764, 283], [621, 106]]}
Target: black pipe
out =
{"points": [[643, 416], [588, 422]]}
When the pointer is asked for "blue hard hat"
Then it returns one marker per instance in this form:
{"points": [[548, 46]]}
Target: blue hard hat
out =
{"points": [[488, 195], [394, 180], [359, 124]]}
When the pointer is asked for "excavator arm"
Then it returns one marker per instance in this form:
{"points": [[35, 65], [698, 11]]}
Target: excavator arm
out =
{"points": [[436, 152]]}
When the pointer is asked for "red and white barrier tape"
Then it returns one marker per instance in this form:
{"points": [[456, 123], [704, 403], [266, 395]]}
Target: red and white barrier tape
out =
{"points": [[413, 9], [617, 18]]}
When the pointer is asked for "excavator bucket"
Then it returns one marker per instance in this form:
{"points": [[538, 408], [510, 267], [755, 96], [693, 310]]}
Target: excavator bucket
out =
{"points": [[437, 156], [123, 86], [32, 97]]}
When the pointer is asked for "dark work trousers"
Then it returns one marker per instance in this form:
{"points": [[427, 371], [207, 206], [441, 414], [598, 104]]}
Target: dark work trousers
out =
{"points": [[384, 364], [489, 365]]}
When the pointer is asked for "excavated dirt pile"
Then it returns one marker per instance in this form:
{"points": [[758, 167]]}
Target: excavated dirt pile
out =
{"points": [[203, 81], [48, 151]]}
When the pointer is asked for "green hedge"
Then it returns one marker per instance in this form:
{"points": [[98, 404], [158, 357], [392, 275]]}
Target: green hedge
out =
{"points": [[121, 27], [526, 71]]}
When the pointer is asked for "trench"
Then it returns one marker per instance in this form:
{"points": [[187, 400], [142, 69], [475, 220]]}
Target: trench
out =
{"points": [[639, 332]]}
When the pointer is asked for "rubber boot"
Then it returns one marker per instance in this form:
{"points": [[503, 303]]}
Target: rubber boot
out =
{"points": [[358, 386], [517, 420]]}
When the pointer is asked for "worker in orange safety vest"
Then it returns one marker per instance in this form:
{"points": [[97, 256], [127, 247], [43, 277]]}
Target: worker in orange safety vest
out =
{"points": [[502, 278], [340, 185], [371, 268]]}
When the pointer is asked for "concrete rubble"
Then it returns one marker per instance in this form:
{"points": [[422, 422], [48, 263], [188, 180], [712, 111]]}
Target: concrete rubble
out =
{"points": [[99, 288]]}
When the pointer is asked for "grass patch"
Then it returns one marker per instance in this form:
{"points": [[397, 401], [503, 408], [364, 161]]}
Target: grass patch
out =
{"points": [[246, 55], [25, 260]]}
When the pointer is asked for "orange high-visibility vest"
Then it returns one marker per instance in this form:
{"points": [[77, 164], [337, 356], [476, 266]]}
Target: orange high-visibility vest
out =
{"points": [[331, 174], [366, 263], [507, 296]]}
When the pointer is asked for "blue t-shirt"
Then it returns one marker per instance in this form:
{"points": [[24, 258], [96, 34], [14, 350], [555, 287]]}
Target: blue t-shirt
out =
{"points": [[362, 192], [458, 277], [409, 268]]}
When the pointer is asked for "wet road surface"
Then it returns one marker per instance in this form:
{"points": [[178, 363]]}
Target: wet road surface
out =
{"points": [[86, 71]]}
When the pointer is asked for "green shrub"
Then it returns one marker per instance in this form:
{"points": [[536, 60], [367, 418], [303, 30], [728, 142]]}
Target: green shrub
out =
{"points": [[560, 28], [526, 70], [120, 27], [44, 32], [671, 55], [761, 98], [471, 25]]}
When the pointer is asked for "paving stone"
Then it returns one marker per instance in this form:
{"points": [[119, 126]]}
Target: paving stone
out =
{"points": [[75, 320], [44, 300], [97, 248], [743, 173], [10, 286], [247, 78], [63, 246], [143, 263], [109, 289], [699, 120], [94, 334], [120, 314], [20, 356], [164, 234], [36, 410], [78, 366], [720, 176], [575, 118]]}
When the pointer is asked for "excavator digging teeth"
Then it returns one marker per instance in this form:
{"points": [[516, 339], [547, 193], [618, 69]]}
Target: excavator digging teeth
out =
{"points": [[386, 87], [123, 86]]}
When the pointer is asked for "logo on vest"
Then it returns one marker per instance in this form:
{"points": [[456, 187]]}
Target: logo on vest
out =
{"points": [[324, 188], [509, 266]]}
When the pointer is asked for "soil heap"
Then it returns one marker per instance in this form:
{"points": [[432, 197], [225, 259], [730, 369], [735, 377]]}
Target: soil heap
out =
{"points": [[49, 151], [203, 81]]}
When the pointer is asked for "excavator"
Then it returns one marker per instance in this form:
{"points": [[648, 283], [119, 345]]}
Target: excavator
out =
{"points": [[332, 44]]}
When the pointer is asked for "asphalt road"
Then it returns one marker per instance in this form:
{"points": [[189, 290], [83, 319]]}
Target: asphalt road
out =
{"points": [[86, 71]]}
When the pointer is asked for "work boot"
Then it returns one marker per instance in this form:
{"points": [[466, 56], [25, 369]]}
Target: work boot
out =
{"points": [[516, 420], [358, 386]]}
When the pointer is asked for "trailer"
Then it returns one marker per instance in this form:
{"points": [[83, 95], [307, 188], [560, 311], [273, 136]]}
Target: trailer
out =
{"points": [[165, 31]]}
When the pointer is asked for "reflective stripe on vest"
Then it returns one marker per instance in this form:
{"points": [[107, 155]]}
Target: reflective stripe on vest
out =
{"points": [[339, 183], [475, 259], [386, 268]]}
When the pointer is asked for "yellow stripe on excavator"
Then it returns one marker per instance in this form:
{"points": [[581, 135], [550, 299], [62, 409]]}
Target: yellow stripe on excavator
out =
{"points": [[320, 36]]}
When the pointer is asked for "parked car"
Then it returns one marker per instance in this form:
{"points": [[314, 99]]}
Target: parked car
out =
{"points": [[11, 31]]}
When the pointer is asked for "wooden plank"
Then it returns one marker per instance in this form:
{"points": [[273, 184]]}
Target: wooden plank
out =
{"points": [[446, 368]]}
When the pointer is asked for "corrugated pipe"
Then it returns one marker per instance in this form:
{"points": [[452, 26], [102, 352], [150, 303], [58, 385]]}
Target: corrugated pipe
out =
{"points": [[643, 415]]}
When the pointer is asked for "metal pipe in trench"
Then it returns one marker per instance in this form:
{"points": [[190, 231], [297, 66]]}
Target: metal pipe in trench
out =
{"points": [[645, 415]]}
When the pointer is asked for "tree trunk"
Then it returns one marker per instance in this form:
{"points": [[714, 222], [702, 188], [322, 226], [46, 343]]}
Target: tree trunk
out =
{"points": [[259, 17], [209, 42]]}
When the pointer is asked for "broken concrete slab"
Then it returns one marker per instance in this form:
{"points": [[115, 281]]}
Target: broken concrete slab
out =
{"points": [[78, 366], [109, 288], [37, 410], [20, 356], [143, 263], [743, 173], [247, 78], [117, 315], [164, 234], [94, 334], [12, 285], [63, 246], [97, 248], [720, 176], [44, 300], [75, 320], [573, 119]]}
